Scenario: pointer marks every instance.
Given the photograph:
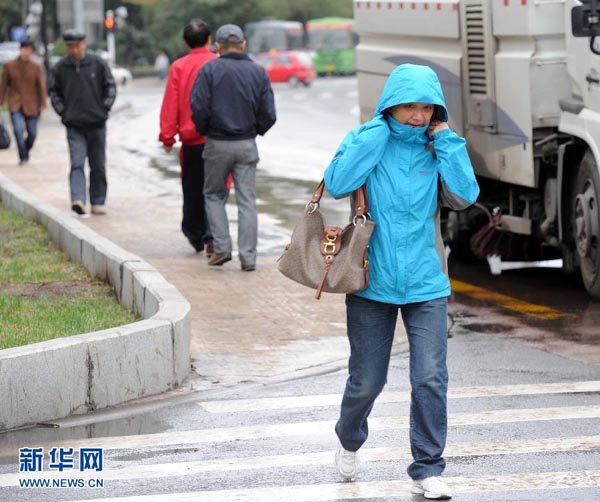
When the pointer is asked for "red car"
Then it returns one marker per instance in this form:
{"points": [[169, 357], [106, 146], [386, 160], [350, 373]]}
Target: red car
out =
{"points": [[287, 66]]}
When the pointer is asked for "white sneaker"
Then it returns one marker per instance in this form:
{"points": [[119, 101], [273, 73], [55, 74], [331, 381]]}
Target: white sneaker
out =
{"points": [[346, 463], [432, 488], [98, 209]]}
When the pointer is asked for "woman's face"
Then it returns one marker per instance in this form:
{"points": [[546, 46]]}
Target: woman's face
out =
{"points": [[413, 114]]}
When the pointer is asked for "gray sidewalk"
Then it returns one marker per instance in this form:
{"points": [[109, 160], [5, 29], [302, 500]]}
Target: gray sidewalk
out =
{"points": [[246, 327]]}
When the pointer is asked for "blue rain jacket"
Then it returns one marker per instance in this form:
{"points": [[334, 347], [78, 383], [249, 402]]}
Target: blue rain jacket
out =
{"points": [[406, 186]]}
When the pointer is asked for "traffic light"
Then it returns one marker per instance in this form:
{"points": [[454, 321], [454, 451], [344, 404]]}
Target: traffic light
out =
{"points": [[109, 20]]}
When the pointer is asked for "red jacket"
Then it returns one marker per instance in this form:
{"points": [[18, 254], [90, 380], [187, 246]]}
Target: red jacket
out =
{"points": [[176, 113]]}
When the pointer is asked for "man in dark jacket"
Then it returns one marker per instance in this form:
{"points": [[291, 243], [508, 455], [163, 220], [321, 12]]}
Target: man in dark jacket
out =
{"points": [[232, 101], [82, 91]]}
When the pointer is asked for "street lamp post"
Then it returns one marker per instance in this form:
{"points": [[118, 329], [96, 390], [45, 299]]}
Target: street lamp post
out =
{"points": [[44, 34], [113, 19], [109, 24], [79, 15]]}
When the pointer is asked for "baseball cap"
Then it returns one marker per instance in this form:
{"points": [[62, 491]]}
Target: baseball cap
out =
{"points": [[73, 36], [231, 33]]}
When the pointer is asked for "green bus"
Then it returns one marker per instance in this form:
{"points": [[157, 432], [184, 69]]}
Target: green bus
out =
{"points": [[333, 41]]}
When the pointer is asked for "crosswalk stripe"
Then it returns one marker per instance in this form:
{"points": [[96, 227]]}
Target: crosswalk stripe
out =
{"points": [[324, 427], [279, 403], [151, 471], [377, 489]]}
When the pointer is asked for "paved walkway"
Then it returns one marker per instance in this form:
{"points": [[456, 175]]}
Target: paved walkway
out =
{"points": [[246, 327]]}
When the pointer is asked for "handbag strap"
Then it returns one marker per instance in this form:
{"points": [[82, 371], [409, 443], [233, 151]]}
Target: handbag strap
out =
{"points": [[361, 203]]}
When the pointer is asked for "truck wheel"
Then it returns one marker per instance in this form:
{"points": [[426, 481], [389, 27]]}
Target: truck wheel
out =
{"points": [[587, 223]]}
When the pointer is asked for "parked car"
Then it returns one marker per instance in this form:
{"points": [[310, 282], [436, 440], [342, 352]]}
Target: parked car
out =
{"points": [[121, 75], [292, 67], [8, 51]]}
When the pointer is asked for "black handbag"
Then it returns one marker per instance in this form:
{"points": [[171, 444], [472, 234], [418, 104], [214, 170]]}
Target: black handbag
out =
{"points": [[4, 136]]}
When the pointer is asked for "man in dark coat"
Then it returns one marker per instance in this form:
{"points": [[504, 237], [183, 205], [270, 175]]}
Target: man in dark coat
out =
{"points": [[82, 91], [232, 101]]}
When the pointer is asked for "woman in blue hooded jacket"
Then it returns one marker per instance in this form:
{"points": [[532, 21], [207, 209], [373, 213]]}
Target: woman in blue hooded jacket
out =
{"points": [[411, 165]]}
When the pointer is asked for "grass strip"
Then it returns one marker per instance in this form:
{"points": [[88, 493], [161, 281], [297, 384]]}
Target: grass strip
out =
{"points": [[43, 295]]}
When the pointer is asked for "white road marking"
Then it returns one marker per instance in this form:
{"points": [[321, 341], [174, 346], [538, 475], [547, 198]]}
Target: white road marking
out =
{"points": [[376, 489], [279, 403], [318, 428], [152, 471]]}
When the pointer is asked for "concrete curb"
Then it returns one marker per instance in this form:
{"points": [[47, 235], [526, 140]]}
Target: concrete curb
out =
{"points": [[66, 376]]}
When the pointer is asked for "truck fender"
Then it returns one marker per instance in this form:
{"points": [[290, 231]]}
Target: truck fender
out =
{"points": [[569, 158]]}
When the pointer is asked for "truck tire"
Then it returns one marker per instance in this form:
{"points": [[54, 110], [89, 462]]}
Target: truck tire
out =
{"points": [[586, 222]]}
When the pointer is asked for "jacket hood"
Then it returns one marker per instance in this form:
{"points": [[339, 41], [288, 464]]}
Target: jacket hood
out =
{"points": [[410, 83]]}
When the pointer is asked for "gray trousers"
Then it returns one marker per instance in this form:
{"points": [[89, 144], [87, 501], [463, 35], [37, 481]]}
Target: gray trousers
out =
{"points": [[240, 159], [90, 143]]}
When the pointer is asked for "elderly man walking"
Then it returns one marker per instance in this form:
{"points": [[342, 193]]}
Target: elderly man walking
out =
{"points": [[232, 101], [24, 80], [82, 91]]}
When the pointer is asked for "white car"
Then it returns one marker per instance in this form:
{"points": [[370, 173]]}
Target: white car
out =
{"points": [[9, 51], [121, 75]]}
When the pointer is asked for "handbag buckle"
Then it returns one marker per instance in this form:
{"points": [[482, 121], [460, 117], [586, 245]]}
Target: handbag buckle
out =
{"points": [[329, 247], [311, 207], [331, 241], [364, 218]]}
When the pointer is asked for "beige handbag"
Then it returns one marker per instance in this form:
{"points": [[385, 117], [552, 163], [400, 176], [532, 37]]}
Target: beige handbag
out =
{"points": [[326, 257]]}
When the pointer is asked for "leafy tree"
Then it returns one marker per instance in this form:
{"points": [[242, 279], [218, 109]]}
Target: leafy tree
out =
{"points": [[303, 10], [10, 15], [158, 24]]}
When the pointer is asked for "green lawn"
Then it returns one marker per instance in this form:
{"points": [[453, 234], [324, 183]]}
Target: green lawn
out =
{"points": [[42, 294]]}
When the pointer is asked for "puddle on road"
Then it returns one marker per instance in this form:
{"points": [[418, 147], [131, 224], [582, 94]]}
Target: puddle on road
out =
{"points": [[283, 199], [143, 423]]}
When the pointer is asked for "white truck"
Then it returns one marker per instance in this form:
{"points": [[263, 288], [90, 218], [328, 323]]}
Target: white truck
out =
{"points": [[522, 84]]}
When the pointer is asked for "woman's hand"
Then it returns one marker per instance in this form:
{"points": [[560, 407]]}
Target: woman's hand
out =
{"points": [[436, 127]]}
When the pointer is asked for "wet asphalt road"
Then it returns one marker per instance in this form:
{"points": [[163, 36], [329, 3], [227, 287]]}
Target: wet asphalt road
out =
{"points": [[538, 443], [254, 443], [311, 123]]}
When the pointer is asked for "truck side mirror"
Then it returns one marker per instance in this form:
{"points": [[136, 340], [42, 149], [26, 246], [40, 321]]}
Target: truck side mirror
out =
{"points": [[585, 20]]}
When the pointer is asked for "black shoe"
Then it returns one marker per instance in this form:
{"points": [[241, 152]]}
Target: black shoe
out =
{"points": [[77, 206], [217, 259], [248, 268], [198, 246]]}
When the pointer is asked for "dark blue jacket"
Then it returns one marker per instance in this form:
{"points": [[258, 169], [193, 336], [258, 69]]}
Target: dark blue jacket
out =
{"points": [[232, 99]]}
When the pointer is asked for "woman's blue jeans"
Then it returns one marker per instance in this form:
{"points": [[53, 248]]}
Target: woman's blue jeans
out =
{"points": [[371, 327]]}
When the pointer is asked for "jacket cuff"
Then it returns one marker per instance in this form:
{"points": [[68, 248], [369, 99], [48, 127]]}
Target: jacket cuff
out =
{"points": [[443, 134], [166, 141]]}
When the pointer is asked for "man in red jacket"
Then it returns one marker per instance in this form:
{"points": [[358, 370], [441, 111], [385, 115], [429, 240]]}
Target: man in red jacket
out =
{"points": [[176, 119]]}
